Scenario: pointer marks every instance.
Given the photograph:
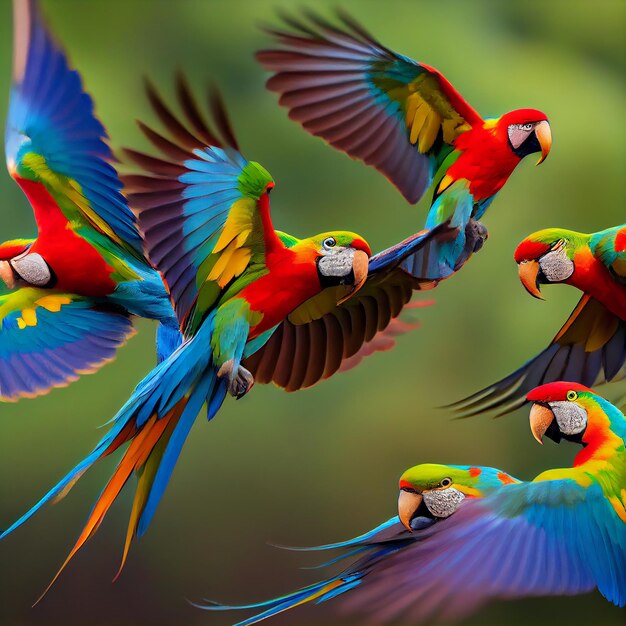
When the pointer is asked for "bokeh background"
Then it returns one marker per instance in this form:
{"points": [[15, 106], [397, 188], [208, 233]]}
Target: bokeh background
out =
{"points": [[323, 464]]}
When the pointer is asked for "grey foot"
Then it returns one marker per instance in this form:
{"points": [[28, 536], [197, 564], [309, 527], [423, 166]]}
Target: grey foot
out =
{"points": [[475, 235], [240, 380]]}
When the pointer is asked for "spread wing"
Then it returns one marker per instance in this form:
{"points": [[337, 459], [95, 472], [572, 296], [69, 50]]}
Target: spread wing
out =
{"points": [[54, 139], [203, 207], [590, 349], [48, 339], [530, 539], [320, 337], [380, 107]]}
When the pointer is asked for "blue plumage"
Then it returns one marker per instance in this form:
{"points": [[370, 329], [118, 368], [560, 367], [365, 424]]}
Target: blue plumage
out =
{"points": [[50, 115], [79, 337]]}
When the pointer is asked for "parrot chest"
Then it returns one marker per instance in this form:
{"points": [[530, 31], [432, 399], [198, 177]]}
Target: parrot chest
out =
{"points": [[288, 284], [77, 266], [486, 164]]}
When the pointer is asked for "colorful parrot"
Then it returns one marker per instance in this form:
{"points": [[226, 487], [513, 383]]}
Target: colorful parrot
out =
{"points": [[67, 295], [234, 281], [407, 121], [442, 489], [464, 535], [590, 348]]}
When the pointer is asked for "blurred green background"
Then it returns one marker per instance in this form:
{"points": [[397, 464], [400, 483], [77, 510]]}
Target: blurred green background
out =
{"points": [[323, 464]]}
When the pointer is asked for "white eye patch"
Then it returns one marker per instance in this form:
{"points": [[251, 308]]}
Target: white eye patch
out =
{"points": [[556, 266], [443, 502], [337, 262], [571, 417], [518, 133]]}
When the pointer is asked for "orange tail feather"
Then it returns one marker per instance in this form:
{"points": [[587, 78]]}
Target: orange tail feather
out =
{"points": [[144, 443]]}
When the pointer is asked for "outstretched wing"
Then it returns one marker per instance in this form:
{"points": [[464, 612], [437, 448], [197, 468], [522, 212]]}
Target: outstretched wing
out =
{"points": [[341, 84], [529, 539], [321, 337], [204, 209], [47, 340], [54, 139], [590, 349]]}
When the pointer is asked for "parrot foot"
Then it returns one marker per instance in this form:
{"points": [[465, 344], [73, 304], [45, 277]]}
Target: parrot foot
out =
{"points": [[475, 235], [240, 380]]}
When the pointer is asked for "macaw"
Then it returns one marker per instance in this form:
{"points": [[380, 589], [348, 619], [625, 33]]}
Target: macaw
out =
{"points": [[406, 120], [66, 297], [464, 535], [590, 348], [234, 282]]}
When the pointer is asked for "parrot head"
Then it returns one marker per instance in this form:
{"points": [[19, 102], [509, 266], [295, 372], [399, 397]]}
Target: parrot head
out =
{"points": [[547, 256], [528, 131], [342, 258], [561, 411], [430, 492]]}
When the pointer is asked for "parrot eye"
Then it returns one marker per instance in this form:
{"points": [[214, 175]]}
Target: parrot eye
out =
{"points": [[446, 482], [528, 126], [329, 242], [572, 395]]}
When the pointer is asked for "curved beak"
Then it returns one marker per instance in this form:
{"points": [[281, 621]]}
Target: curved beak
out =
{"points": [[541, 417], [528, 272], [544, 137], [360, 265], [408, 503]]}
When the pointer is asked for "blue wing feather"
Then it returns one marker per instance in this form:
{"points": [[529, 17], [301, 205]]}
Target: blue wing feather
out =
{"points": [[51, 115], [79, 338], [528, 539]]}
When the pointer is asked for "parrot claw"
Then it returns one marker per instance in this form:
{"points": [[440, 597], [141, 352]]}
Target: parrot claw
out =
{"points": [[475, 235], [240, 380]]}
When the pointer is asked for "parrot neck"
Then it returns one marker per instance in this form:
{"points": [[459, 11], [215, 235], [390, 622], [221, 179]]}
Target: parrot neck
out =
{"points": [[592, 277], [604, 437]]}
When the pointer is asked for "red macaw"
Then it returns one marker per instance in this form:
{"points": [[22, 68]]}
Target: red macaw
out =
{"points": [[235, 282], [405, 119], [590, 348], [66, 296], [465, 535]]}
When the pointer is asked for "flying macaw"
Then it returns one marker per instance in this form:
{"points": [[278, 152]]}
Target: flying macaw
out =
{"points": [[590, 348], [66, 296], [407, 121], [464, 535], [234, 282], [442, 489]]}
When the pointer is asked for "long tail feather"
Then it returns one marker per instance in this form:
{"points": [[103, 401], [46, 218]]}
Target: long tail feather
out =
{"points": [[319, 592], [386, 538], [153, 424]]}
